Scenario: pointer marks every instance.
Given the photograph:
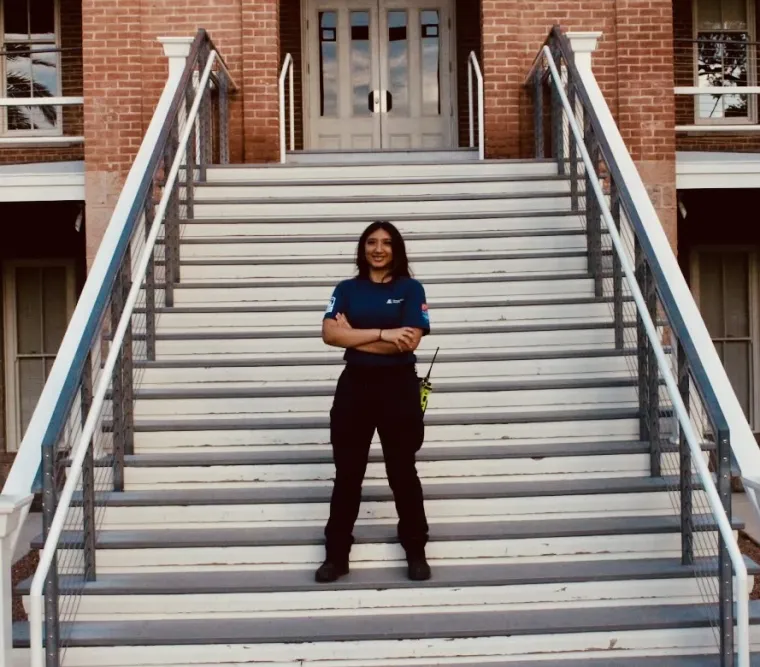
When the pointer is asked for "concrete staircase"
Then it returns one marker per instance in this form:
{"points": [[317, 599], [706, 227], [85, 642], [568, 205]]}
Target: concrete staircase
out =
{"points": [[551, 544]]}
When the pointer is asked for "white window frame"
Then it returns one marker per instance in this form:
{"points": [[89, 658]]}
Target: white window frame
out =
{"points": [[12, 404], [58, 130], [751, 117], [754, 313]]}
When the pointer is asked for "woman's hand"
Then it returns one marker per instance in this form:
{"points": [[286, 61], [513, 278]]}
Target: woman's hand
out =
{"points": [[405, 339], [343, 323]]}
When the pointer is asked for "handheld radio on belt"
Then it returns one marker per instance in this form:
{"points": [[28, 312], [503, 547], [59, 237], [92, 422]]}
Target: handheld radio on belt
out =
{"points": [[425, 386]]}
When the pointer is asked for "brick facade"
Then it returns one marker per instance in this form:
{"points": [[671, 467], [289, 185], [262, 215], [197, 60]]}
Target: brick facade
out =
{"points": [[71, 80]]}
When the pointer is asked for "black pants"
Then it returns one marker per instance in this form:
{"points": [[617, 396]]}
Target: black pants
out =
{"points": [[386, 399]]}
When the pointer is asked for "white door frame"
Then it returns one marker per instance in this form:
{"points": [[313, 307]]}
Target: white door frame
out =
{"points": [[306, 29], [12, 406]]}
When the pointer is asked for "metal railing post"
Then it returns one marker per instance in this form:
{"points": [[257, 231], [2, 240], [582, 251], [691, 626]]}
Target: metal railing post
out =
{"points": [[617, 272], [117, 389], [224, 115], [685, 477], [127, 365], [558, 141], [88, 480], [204, 119], [171, 224], [642, 355], [726, 581], [49, 505], [593, 218], [574, 203], [190, 163], [653, 376], [150, 286], [538, 114]]}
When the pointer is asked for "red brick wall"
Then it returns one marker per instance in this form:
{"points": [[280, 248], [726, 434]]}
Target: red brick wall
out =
{"points": [[683, 27], [71, 79]]}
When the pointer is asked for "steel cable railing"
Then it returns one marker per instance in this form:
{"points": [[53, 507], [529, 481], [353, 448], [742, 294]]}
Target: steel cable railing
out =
{"points": [[679, 416], [83, 429]]}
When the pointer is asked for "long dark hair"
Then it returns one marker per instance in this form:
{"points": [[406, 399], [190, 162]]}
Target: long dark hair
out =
{"points": [[400, 266]]}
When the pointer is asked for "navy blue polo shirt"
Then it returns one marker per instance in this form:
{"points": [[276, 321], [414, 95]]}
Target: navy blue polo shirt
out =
{"points": [[369, 305]]}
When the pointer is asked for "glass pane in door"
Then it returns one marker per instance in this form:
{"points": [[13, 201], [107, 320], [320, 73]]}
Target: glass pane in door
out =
{"points": [[398, 61], [361, 63], [430, 35], [328, 63]]}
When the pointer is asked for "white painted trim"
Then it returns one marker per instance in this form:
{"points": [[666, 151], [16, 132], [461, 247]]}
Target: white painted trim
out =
{"points": [[716, 90], [40, 101], [21, 183], [287, 69], [12, 416], [40, 140], [584, 45], [748, 127], [665, 254], [707, 171], [176, 49]]}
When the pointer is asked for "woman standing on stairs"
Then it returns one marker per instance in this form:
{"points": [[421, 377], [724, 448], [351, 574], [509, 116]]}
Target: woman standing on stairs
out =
{"points": [[379, 317]]}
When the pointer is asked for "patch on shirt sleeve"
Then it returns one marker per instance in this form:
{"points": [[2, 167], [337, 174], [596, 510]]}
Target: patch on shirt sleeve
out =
{"points": [[425, 313], [330, 305]]}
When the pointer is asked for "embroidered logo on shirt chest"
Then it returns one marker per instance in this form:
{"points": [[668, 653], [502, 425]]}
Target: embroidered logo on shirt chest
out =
{"points": [[394, 301]]}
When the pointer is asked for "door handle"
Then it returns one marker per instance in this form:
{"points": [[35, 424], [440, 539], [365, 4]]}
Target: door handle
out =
{"points": [[373, 101], [388, 101]]}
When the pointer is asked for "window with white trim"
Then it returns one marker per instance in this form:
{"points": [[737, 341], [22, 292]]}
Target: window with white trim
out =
{"points": [[725, 284], [38, 300], [30, 65], [724, 56]]}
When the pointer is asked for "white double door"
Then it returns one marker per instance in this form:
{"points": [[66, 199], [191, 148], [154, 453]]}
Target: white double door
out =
{"points": [[380, 75]]}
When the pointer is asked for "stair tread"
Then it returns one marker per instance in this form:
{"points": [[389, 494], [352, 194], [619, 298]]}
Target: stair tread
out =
{"points": [[434, 417], [430, 452], [179, 538], [331, 358], [320, 493], [442, 385], [448, 328], [386, 627], [446, 575], [390, 180]]}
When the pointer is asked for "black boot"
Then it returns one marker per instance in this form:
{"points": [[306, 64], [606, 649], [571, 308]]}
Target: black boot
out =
{"points": [[417, 566], [331, 570]]}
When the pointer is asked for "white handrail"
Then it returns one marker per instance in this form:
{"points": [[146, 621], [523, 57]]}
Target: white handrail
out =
{"points": [[287, 69], [473, 65], [85, 439], [719, 513]]}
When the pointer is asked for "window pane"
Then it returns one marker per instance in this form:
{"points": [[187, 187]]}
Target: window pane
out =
{"points": [[736, 271], [28, 311], [723, 60], [711, 293], [737, 361], [54, 308], [328, 63], [734, 14], [16, 21], [31, 375], [431, 63], [42, 19], [361, 72], [31, 75], [398, 57]]}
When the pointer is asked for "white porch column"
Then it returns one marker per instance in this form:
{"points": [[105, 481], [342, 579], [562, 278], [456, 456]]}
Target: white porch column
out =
{"points": [[13, 510], [176, 49], [584, 44]]}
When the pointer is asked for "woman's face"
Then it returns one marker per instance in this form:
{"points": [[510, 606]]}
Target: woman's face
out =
{"points": [[378, 250]]}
